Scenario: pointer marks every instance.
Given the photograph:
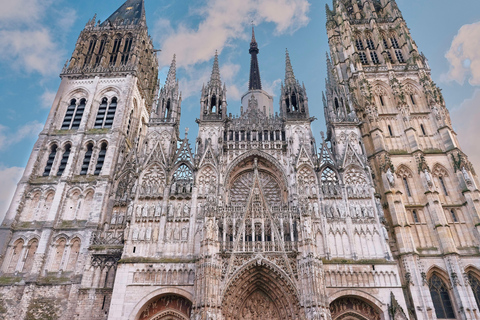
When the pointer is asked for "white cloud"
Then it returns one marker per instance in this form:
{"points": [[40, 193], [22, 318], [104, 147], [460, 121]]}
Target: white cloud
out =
{"points": [[272, 87], [224, 21], [467, 117], [47, 98], [9, 178], [28, 130], [31, 50], [464, 55], [31, 41]]}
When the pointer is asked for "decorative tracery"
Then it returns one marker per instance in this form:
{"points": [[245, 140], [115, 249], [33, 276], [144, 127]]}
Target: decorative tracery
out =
{"points": [[153, 182], [475, 285], [182, 180], [307, 184], [241, 187], [441, 298]]}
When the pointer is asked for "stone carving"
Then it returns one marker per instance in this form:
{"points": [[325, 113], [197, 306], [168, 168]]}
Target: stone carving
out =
{"points": [[153, 182], [259, 307], [390, 177]]}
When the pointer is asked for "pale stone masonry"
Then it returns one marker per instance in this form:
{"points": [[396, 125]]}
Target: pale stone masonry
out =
{"points": [[118, 217]]}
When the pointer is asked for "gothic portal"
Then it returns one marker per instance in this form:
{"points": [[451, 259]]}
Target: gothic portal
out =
{"points": [[117, 217]]}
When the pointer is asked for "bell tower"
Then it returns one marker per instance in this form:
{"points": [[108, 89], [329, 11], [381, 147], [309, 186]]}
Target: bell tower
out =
{"points": [[427, 186], [68, 198]]}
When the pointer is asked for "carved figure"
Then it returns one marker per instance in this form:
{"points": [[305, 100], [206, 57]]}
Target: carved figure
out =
{"points": [[390, 177]]}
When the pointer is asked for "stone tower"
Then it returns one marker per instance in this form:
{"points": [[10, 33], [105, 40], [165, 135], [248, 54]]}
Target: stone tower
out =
{"points": [[62, 235], [380, 84]]}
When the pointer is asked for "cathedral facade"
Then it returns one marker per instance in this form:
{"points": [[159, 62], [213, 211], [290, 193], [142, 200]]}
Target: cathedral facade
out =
{"points": [[119, 217]]}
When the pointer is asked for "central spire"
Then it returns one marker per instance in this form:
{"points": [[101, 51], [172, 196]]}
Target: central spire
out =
{"points": [[255, 83]]}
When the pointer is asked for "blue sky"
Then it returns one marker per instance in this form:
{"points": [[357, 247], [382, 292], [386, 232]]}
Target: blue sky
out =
{"points": [[38, 36]]}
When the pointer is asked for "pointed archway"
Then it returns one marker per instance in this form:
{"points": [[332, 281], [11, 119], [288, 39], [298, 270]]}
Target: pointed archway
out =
{"points": [[354, 308], [260, 290]]}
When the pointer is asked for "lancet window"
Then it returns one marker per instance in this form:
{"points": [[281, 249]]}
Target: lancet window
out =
{"points": [[115, 51], [86, 159], [100, 159], [106, 114], [126, 50], [64, 161], [475, 285], [51, 159], [74, 114], [182, 180], [441, 298]]}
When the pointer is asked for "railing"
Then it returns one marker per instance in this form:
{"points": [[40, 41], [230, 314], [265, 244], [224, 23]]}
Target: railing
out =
{"points": [[259, 246]]}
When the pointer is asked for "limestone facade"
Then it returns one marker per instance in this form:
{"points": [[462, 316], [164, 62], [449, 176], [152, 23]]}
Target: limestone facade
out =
{"points": [[118, 217]]}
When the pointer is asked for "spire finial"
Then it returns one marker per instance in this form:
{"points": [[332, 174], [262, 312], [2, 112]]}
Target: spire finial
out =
{"points": [[172, 73], [289, 75], [215, 78], [255, 83]]}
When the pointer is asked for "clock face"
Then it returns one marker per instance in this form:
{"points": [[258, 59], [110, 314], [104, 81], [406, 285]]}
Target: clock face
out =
{"points": [[243, 184]]}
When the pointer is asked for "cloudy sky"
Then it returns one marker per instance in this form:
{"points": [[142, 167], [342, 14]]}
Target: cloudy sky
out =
{"points": [[38, 36]]}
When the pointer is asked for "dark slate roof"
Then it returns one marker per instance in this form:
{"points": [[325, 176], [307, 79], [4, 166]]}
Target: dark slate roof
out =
{"points": [[130, 11]]}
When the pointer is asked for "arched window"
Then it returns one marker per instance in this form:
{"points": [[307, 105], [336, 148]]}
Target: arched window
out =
{"points": [[106, 114], [167, 110], [182, 180], [374, 57], [101, 50], [381, 100], [32, 249], [73, 256], [444, 187], [213, 105], [51, 159], [415, 216], [394, 43], [423, 130], [16, 251], [116, 49], [91, 49], [363, 58], [390, 130], [441, 298], [407, 187], [74, 114], [328, 176], [63, 163], [337, 106], [86, 159], [370, 44], [359, 44], [79, 114], [101, 159], [475, 285], [294, 102], [57, 256], [454, 216], [399, 55], [129, 126], [126, 50]]}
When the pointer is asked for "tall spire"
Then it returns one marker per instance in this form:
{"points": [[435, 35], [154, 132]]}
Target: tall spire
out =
{"points": [[255, 83], [289, 75], [131, 12], [172, 73], [215, 78]]}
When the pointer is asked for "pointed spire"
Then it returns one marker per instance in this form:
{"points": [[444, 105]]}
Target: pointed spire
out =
{"points": [[255, 82], [215, 78], [289, 75], [172, 73], [131, 12]]}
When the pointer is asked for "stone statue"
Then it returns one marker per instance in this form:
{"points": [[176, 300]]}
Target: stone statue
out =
{"points": [[315, 209], [186, 211], [307, 228], [390, 177], [210, 229], [148, 234], [173, 190], [428, 177], [135, 234]]}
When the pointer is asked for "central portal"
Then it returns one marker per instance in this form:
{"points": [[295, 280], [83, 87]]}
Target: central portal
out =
{"points": [[259, 306]]}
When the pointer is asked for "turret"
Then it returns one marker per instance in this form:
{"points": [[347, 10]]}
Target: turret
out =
{"points": [[294, 101], [214, 96], [168, 108]]}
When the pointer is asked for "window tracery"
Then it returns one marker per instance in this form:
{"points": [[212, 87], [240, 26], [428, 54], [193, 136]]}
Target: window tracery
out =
{"points": [[153, 182], [206, 179], [182, 180], [307, 184], [475, 285], [106, 113], [242, 185], [441, 298]]}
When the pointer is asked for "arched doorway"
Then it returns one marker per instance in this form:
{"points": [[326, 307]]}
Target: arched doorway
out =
{"points": [[166, 307], [353, 308], [260, 291]]}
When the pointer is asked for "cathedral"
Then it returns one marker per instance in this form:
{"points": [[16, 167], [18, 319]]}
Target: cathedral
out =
{"points": [[119, 215]]}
